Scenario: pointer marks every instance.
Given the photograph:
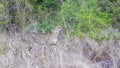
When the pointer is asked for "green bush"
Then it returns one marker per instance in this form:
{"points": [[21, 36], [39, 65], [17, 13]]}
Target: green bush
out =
{"points": [[45, 26], [112, 7], [84, 17], [3, 16]]}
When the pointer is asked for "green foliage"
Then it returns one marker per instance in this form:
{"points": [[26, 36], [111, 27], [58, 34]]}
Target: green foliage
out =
{"points": [[14, 12], [113, 7], [84, 17], [3, 48], [45, 4], [2, 9], [31, 28], [116, 13], [37, 7], [106, 5], [46, 12], [45, 26], [66, 16], [78, 17], [49, 4], [3, 16]]}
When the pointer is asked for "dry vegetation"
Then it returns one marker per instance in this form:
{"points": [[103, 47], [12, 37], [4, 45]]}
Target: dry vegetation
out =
{"points": [[23, 46], [26, 51]]}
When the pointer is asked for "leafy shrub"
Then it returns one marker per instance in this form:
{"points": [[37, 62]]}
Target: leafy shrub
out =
{"points": [[45, 26], [48, 4], [3, 16], [31, 28], [84, 17], [18, 12], [3, 48], [112, 7]]}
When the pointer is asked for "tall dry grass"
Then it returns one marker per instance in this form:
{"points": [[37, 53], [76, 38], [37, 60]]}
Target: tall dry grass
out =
{"points": [[18, 52]]}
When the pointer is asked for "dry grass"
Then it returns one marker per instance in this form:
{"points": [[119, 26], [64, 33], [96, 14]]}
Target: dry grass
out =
{"points": [[18, 52]]}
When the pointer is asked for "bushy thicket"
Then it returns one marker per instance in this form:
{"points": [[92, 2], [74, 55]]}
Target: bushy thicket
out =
{"points": [[89, 17], [84, 16], [77, 17], [17, 14]]}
